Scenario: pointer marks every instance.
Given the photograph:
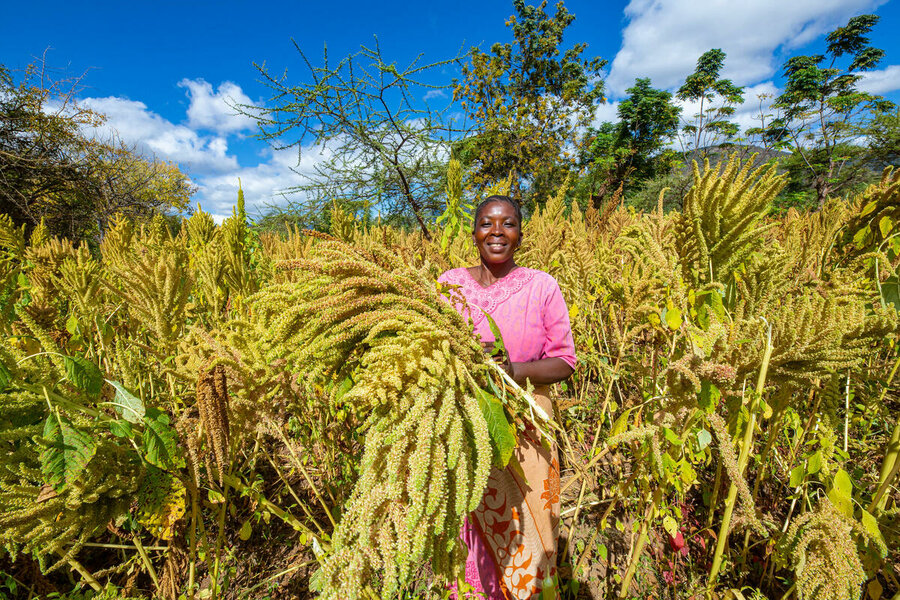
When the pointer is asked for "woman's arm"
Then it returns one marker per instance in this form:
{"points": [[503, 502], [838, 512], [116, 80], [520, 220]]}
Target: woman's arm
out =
{"points": [[540, 372]]}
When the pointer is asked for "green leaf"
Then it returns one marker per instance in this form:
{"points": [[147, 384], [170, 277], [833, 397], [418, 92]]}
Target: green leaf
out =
{"points": [[870, 523], [127, 405], [121, 429], [159, 440], [673, 319], [67, 453], [797, 476], [5, 377], [83, 374], [670, 525], [704, 439], [885, 225], [72, 325], [499, 347], [709, 396], [671, 436], [246, 531], [814, 464], [841, 493], [503, 435], [621, 424], [868, 208]]}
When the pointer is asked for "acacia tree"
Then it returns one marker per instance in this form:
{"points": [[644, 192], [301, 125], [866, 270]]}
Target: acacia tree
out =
{"points": [[716, 98], [53, 168], [529, 103], [378, 147], [822, 106]]}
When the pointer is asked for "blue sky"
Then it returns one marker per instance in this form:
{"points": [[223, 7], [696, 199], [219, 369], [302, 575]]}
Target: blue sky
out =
{"points": [[165, 72]]}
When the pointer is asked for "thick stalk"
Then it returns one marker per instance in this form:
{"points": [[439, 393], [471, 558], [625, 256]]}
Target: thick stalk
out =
{"points": [[145, 558], [743, 459], [639, 545], [891, 463], [85, 574], [890, 467], [192, 537]]}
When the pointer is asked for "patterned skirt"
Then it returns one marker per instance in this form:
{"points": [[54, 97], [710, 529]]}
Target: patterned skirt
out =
{"points": [[512, 535]]}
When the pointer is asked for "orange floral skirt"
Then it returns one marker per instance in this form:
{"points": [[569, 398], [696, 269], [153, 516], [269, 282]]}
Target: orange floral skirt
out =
{"points": [[512, 535]]}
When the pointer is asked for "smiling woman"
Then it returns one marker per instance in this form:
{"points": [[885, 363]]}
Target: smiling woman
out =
{"points": [[512, 535]]}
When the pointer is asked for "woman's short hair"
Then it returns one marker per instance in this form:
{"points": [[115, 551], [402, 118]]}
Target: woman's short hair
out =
{"points": [[507, 199]]}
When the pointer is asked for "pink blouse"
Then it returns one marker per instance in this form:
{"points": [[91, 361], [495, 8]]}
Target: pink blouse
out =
{"points": [[528, 308]]}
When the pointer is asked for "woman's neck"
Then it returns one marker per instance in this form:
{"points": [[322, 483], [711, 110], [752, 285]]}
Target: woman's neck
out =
{"points": [[488, 273]]}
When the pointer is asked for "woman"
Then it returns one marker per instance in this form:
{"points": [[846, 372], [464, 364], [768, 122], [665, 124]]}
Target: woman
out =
{"points": [[512, 535]]}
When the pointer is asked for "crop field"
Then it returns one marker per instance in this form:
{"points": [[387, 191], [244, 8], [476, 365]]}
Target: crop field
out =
{"points": [[211, 412]]}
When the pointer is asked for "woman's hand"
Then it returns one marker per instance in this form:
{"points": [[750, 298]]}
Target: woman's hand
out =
{"points": [[501, 358], [540, 372]]}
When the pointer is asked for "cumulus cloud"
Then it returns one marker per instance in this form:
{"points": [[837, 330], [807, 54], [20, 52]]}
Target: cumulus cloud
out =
{"points": [[134, 123], [265, 185], [216, 110], [664, 38], [881, 81], [434, 94]]}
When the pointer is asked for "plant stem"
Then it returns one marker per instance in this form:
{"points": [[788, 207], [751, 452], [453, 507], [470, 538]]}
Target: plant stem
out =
{"points": [[142, 552], [639, 545], [743, 459], [85, 574]]}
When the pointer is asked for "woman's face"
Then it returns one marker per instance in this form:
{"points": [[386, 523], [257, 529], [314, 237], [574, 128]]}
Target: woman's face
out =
{"points": [[497, 232]]}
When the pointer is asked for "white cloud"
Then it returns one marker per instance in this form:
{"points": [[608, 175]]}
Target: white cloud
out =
{"points": [[217, 110], [664, 38], [434, 94], [606, 112], [154, 135], [881, 81], [264, 185]]}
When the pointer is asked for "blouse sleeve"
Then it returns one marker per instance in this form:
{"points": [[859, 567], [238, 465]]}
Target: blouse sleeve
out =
{"points": [[558, 342]]}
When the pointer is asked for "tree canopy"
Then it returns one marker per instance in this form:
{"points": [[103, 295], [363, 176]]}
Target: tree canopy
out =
{"points": [[54, 168]]}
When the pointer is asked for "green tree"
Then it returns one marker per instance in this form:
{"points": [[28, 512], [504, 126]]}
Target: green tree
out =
{"points": [[883, 135], [383, 150], [716, 98], [529, 101], [53, 168], [823, 109], [634, 148]]}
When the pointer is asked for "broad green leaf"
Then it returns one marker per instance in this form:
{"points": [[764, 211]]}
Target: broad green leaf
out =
{"points": [[121, 429], [621, 424], [709, 396], [797, 476], [83, 374], [603, 551], [503, 435], [868, 208], [670, 525], [671, 436], [885, 224], [499, 347], [127, 405], [68, 451], [870, 523], [673, 319], [814, 464], [841, 493], [159, 440], [704, 439], [890, 292], [72, 325], [246, 531], [5, 377]]}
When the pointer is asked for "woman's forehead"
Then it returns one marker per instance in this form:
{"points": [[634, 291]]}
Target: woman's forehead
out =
{"points": [[498, 208]]}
